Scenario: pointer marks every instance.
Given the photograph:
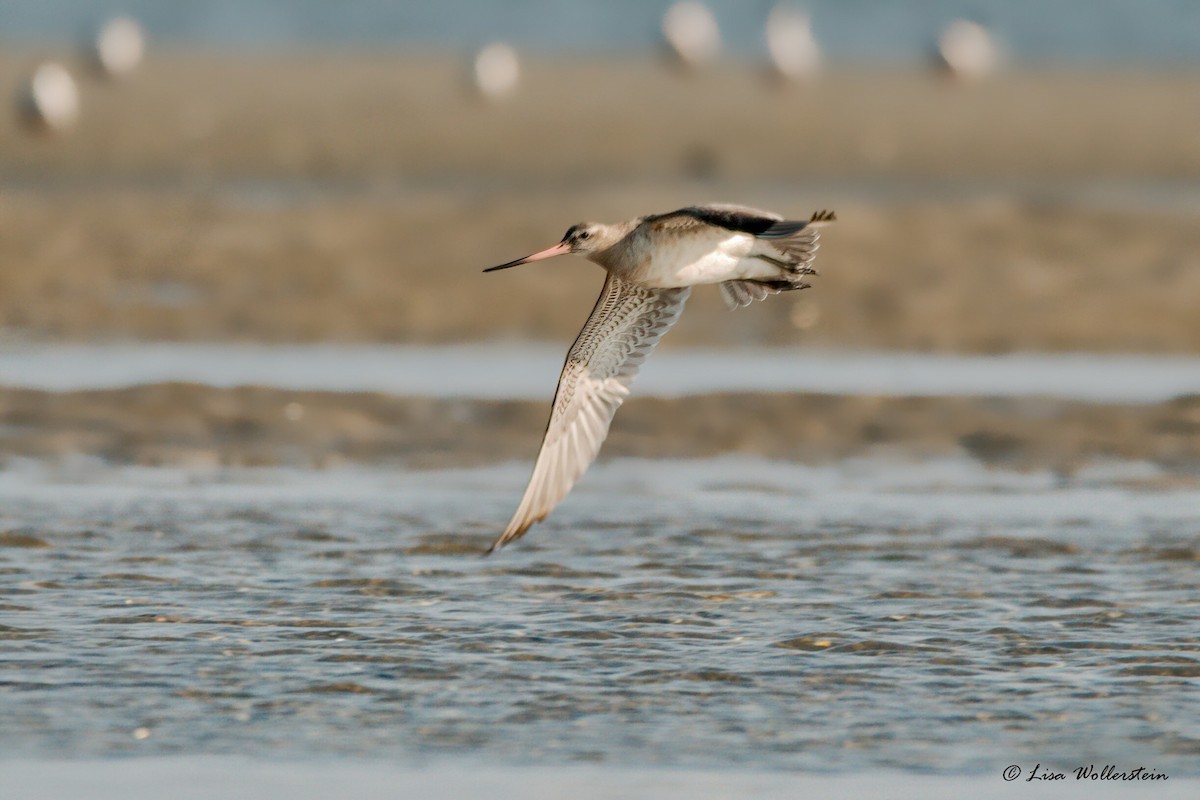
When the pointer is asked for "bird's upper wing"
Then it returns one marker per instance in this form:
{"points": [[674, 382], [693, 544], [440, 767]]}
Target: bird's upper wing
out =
{"points": [[742, 219], [623, 329]]}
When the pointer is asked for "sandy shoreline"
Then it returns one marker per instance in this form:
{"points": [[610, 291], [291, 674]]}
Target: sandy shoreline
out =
{"points": [[984, 277], [348, 197], [190, 425]]}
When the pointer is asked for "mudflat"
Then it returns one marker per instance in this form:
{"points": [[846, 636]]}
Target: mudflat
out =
{"points": [[200, 426], [357, 197], [986, 278]]}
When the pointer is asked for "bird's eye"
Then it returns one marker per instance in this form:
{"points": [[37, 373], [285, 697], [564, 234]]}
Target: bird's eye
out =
{"points": [[584, 234]]}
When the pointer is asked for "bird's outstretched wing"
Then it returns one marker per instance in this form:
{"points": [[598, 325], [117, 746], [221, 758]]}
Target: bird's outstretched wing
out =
{"points": [[742, 219], [623, 329]]}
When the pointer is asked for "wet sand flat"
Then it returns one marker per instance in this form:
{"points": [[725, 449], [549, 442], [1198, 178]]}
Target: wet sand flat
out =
{"points": [[189, 424], [981, 277], [353, 197]]}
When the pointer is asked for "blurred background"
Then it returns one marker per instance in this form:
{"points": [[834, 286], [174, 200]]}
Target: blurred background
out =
{"points": [[287, 171], [251, 374], [1012, 178]]}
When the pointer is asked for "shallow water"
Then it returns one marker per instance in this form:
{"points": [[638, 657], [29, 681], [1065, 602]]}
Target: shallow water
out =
{"points": [[716, 614], [529, 371]]}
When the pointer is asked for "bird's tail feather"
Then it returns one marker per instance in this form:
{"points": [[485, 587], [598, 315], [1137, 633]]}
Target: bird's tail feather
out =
{"points": [[798, 248], [792, 247]]}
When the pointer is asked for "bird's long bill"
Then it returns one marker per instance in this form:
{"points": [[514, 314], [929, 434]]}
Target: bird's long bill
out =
{"points": [[560, 249]]}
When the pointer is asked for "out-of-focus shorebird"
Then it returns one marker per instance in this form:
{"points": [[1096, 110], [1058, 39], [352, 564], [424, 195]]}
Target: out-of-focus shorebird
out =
{"points": [[794, 52], [652, 263], [118, 47], [691, 33], [967, 50], [48, 102], [496, 71]]}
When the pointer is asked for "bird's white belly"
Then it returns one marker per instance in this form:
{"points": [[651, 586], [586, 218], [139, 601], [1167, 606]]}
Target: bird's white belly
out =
{"points": [[688, 262]]}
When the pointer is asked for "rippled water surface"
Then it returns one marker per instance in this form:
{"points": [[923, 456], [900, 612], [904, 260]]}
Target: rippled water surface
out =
{"points": [[702, 614]]}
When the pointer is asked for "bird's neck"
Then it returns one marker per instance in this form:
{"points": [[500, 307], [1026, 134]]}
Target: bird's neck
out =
{"points": [[618, 253]]}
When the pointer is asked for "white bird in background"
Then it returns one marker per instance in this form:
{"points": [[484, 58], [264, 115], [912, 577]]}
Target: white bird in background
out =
{"points": [[48, 102], [652, 263], [119, 47], [497, 71], [790, 43], [691, 32], [967, 50]]}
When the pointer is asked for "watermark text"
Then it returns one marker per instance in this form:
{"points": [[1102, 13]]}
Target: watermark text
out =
{"points": [[1091, 772]]}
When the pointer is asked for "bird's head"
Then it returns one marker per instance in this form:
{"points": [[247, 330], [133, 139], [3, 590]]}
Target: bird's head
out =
{"points": [[587, 237], [584, 238]]}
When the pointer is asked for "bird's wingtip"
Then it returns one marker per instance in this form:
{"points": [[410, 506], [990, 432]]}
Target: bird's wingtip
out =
{"points": [[511, 534], [501, 540]]}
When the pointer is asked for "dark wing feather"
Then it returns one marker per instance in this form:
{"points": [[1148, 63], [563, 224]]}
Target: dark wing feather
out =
{"points": [[742, 219]]}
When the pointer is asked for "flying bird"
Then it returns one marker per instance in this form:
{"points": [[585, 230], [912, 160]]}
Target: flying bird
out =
{"points": [[652, 262]]}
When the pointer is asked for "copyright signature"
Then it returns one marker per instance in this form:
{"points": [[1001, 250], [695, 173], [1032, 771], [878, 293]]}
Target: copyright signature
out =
{"points": [[1106, 772]]}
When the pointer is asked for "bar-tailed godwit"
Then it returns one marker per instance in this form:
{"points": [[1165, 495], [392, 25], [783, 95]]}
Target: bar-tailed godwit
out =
{"points": [[652, 263]]}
